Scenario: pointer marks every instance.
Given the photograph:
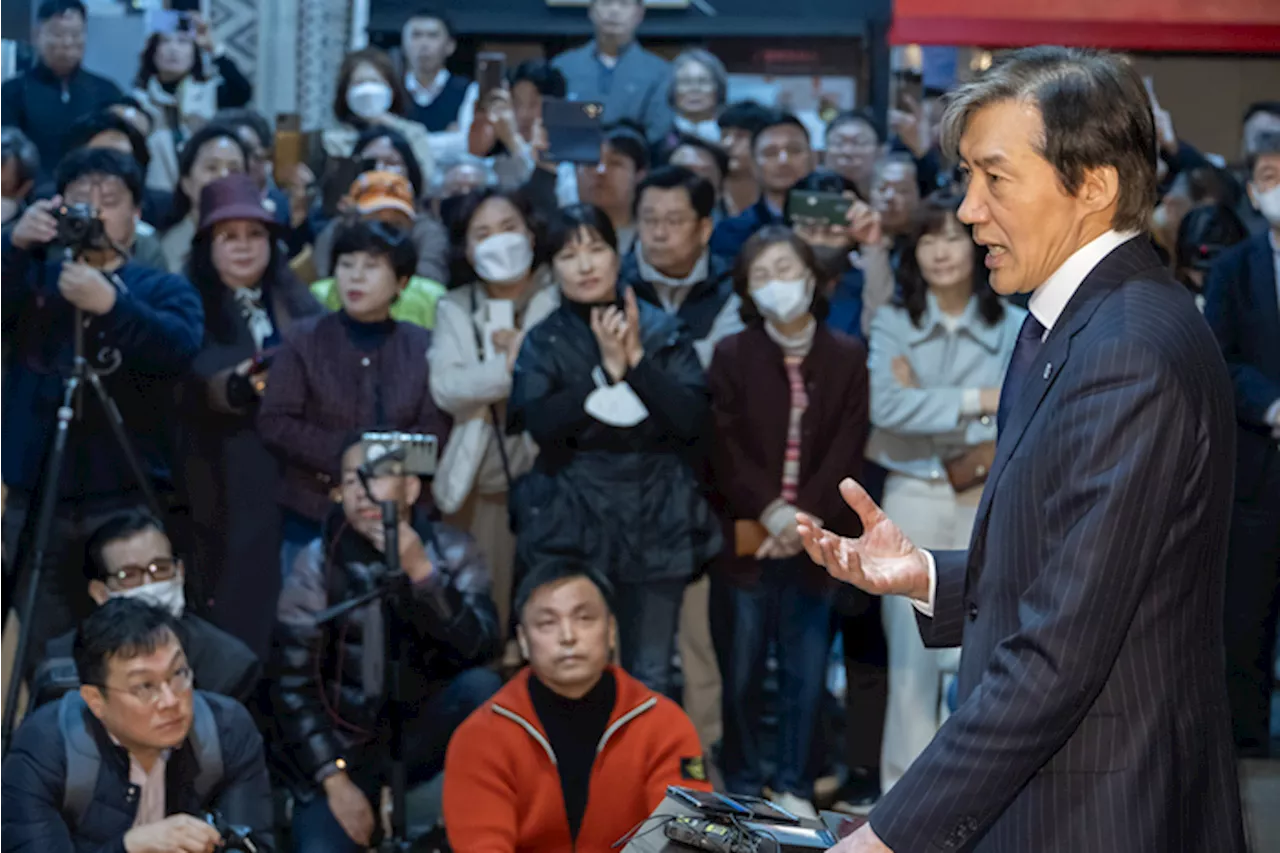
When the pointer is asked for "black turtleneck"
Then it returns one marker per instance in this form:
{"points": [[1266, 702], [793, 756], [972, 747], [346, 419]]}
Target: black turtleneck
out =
{"points": [[574, 728], [367, 337], [583, 309]]}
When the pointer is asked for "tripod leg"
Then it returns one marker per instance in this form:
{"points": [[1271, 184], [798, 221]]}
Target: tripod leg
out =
{"points": [[44, 524], [116, 422]]}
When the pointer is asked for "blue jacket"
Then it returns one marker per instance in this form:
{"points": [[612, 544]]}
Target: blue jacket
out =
{"points": [[730, 235], [138, 348], [35, 776], [637, 88]]}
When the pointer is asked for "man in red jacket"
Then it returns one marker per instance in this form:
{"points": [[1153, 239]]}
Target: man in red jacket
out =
{"points": [[573, 752]]}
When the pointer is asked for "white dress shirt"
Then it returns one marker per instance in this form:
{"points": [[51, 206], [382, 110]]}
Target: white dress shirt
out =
{"points": [[446, 143], [1047, 304]]}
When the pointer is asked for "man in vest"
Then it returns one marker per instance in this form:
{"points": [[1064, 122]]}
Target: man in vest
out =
{"points": [[137, 759], [443, 102]]}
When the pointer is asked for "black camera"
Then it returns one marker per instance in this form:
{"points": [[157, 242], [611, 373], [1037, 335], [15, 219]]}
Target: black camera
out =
{"points": [[79, 229], [233, 837]]}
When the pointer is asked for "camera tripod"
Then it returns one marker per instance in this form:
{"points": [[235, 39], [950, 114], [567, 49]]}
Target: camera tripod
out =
{"points": [[82, 373], [392, 586]]}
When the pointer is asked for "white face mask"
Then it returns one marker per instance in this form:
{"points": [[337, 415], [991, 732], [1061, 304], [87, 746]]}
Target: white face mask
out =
{"points": [[167, 595], [369, 100], [504, 257], [1268, 204], [616, 405], [783, 300]]}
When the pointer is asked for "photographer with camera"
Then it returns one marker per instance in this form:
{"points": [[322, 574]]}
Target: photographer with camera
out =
{"points": [[142, 327], [136, 760], [327, 681]]}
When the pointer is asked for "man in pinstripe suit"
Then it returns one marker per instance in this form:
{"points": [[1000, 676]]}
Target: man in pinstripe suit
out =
{"points": [[1093, 714]]}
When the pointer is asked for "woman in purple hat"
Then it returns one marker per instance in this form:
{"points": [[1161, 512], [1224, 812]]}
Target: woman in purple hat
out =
{"points": [[251, 303]]}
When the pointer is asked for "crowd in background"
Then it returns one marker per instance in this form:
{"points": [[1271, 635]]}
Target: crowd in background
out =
{"points": [[638, 372]]}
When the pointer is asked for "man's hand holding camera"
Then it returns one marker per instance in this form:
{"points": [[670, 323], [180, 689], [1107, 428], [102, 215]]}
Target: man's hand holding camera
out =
{"points": [[38, 226], [86, 288], [413, 554], [180, 832]]}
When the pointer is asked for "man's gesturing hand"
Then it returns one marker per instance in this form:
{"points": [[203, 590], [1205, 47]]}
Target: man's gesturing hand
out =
{"points": [[882, 561], [180, 833]]}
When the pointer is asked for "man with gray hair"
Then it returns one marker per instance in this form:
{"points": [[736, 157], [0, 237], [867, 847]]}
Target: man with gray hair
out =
{"points": [[1093, 709]]}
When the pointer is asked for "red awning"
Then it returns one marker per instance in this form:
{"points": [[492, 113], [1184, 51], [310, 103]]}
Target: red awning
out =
{"points": [[1239, 26]]}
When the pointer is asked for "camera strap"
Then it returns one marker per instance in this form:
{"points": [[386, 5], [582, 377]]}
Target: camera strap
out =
{"points": [[493, 407]]}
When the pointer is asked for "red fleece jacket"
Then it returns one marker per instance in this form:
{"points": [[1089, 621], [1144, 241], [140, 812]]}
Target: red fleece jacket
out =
{"points": [[502, 790]]}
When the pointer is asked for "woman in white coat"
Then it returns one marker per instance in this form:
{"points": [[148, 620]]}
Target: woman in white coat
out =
{"points": [[938, 358], [479, 328]]}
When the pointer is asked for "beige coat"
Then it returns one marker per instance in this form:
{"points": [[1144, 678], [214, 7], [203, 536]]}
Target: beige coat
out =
{"points": [[466, 385]]}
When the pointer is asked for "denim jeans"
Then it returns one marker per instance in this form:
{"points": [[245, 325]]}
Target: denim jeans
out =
{"points": [[648, 618], [429, 727], [296, 534], [743, 620]]}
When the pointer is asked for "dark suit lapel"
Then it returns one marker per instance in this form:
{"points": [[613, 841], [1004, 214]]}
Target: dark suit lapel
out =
{"points": [[1262, 279], [1128, 259]]}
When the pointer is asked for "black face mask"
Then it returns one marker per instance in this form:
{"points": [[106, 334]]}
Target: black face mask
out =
{"points": [[832, 262]]}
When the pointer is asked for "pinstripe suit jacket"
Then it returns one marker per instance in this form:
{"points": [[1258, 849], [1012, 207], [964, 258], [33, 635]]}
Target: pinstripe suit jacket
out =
{"points": [[1093, 713]]}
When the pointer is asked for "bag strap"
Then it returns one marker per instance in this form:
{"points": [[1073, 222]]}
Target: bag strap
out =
{"points": [[493, 407], [83, 760]]}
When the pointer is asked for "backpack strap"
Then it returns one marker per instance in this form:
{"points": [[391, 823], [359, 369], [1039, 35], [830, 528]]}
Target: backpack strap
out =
{"points": [[206, 746], [83, 760]]}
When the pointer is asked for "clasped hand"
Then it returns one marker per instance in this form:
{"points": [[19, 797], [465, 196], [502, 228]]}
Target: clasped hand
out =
{"points": [[618, 336], [882, 561]]}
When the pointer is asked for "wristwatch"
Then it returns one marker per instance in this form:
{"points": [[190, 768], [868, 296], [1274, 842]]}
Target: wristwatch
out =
{"points": [[338, 765]]}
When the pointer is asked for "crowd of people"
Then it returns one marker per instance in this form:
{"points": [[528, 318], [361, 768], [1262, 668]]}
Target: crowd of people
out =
{"points": [[639, 373]]}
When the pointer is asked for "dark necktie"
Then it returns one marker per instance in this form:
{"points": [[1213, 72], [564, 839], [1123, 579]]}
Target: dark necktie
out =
{"points": [[1024, 354]]}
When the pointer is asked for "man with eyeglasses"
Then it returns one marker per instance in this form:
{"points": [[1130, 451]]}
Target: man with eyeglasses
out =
{"points": [[130, 556], [136, 759], [46, 100], [783, 155]]}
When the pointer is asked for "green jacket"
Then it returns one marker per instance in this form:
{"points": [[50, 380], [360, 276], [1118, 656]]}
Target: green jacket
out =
{"points": [[417, 303]]}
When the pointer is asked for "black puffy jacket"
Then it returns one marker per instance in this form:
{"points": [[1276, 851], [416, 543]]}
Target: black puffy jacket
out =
{"points": [[326, 681], [625, 499]]}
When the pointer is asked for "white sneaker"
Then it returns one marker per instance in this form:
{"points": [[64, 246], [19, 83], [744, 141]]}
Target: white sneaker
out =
{"points": [[798, 806]]}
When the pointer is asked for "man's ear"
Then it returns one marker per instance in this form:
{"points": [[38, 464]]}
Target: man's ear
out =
{"points": [[613, 637], [94, 698], [705, 228], [522, 642], [98, 592], [1100, 188]]}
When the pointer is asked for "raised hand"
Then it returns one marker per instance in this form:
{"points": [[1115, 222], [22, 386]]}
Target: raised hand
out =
{"points": [[631, 334], [882, 561], [609, 325]]}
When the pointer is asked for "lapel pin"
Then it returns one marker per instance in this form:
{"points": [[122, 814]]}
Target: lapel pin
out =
{"points": [[1048, 368]]}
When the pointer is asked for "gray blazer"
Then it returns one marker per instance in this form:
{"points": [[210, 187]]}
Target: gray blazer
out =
{"points": [[1093, 704], [637, 88]]}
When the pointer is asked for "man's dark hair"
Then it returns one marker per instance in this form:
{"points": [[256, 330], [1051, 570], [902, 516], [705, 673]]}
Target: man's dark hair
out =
{"points": [[1268, 107], [17, 145], [628, 140], [242, 117], [436, 14], [413, 169], [53, 8], [744, 115], [689, 140], [376, 238], [187, 160], [122, 525], [123, 627], [701, 194], [855, 117], [564, 570], [100, 161], [544, 76], [778, 118], [1096, 112], [821, 180], [1268, 146], [570, 222], [88, 126], [1205, 233]]}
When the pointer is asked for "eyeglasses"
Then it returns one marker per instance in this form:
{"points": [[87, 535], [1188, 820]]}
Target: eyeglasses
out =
{"points": [[131, 577], [674, 221], [150, 693]]}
